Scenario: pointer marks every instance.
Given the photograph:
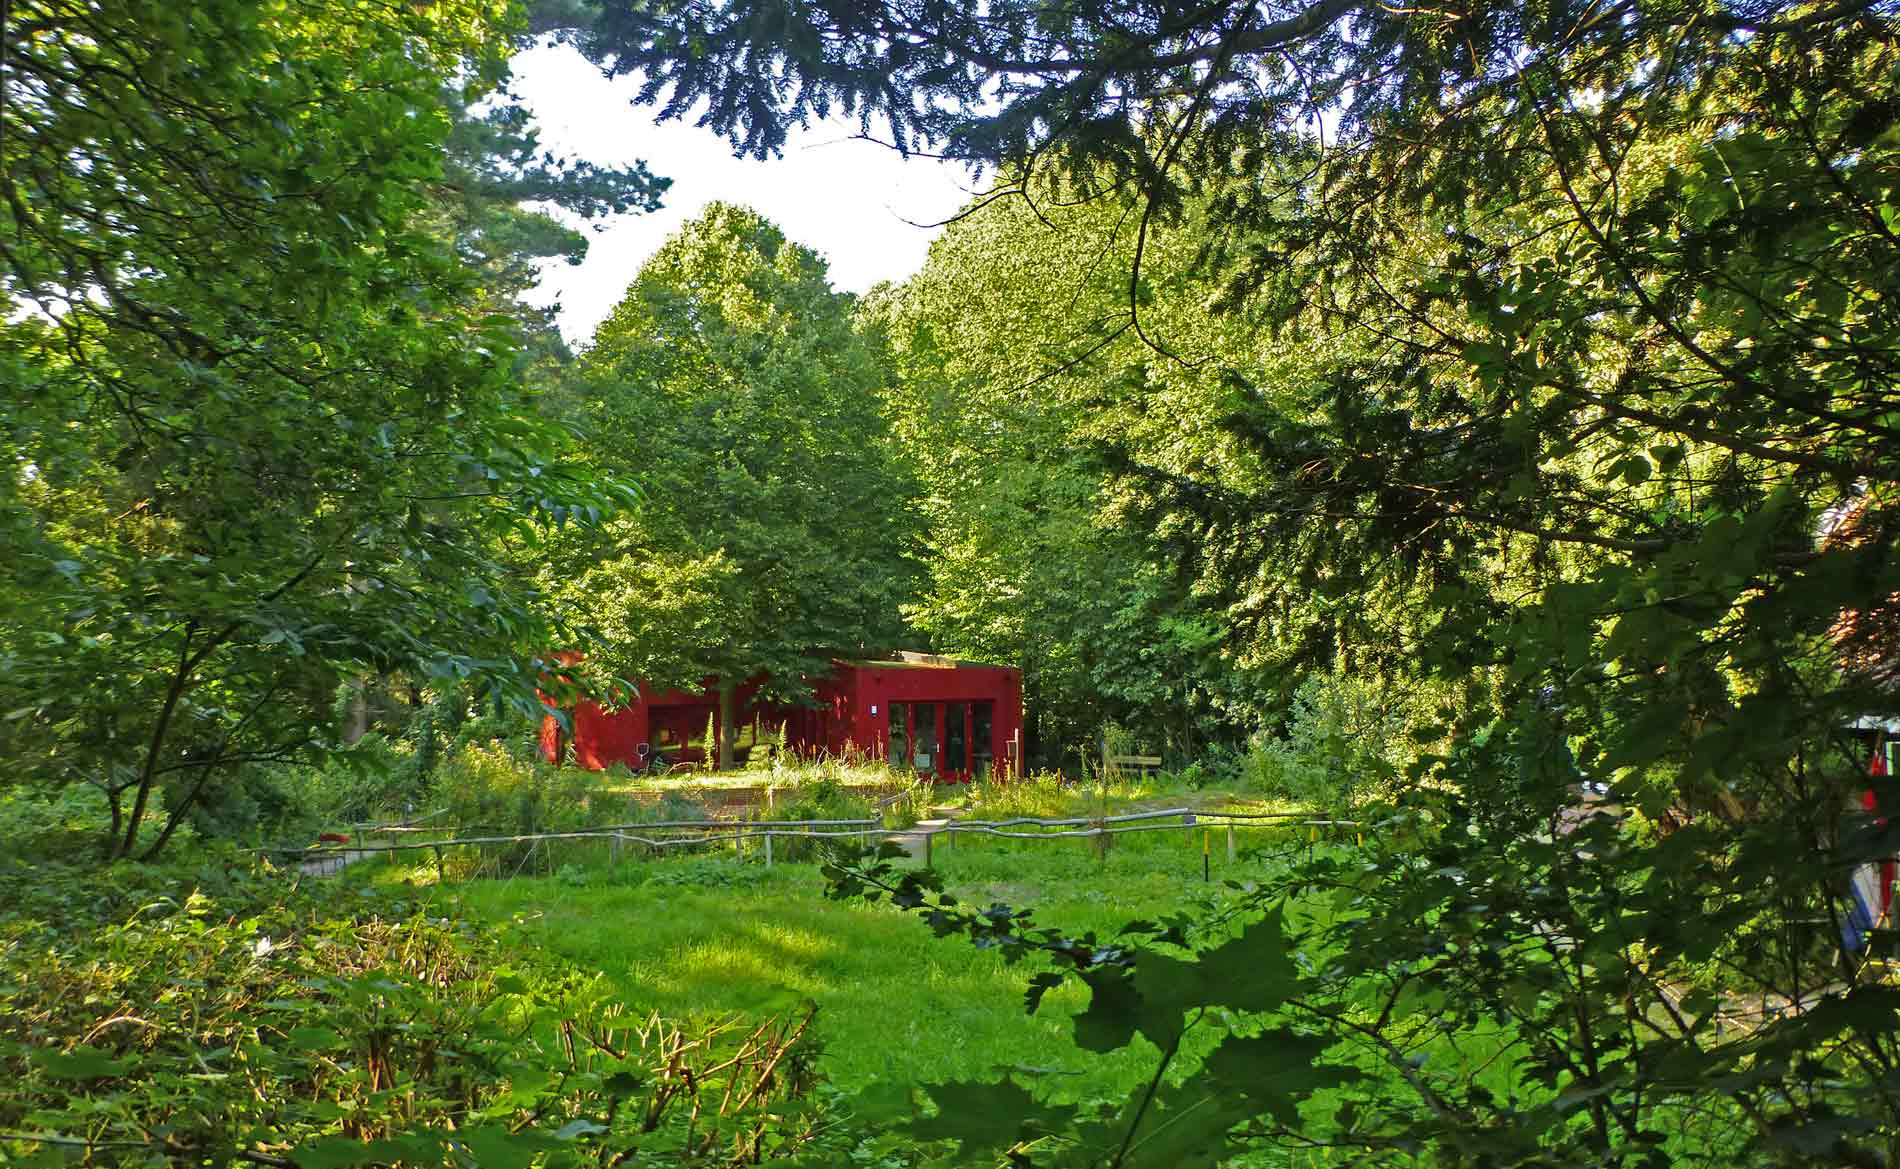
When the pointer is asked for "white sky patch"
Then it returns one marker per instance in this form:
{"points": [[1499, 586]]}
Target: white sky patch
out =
{"points": [[845, 198]]}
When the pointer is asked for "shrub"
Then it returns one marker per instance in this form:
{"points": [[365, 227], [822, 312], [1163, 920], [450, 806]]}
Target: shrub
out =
{"points": [[1346, 738], [210, 1017], [67, 822], [1218, 766], [826, 798], [710, 872], [1044, 794], [489, 788]]}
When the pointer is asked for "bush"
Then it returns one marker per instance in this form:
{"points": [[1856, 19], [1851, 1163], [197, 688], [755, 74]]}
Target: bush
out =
{"points": [[213, 1017], [487, 788], [70, 822], [711, 872], [912, 804], [1346, 738], [1218, 766], [826, 798], [1044, 795]]}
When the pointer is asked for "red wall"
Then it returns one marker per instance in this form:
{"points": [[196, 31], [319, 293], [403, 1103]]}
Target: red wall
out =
{"points": [[876, 685], [842, 722]]}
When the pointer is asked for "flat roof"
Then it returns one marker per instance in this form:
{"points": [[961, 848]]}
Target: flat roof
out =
{"points": [[917, 661]]}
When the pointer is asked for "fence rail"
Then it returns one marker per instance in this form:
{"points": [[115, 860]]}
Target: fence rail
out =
{"points": [[715, 831]]}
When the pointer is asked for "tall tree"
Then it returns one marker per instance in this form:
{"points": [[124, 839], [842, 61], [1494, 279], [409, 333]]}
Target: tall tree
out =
{"points": [[509, 203], [1592, 316], [1014, 372], [777, 527], [259, 423]]}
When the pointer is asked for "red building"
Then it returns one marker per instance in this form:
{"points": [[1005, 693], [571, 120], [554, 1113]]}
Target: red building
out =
{"points": [[955, 720]]}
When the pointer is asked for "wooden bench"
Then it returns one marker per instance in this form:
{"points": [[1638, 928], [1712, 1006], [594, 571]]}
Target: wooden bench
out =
{"points": [[1143, 765]]}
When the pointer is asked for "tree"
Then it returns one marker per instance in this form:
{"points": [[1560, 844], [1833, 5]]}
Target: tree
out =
{"points": [[1012, 370], [500, 193], [1560, 298], [260, 429], [777, 526], [1577, 326]]}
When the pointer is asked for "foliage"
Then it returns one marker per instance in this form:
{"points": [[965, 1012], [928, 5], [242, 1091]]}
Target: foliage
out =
{"points": [[260, 429], [826, 799], [1042, 794], [1346, 738], [701, 873], [775, 532], [230, 1020], [1542, 351], [489, 790], [1384, 1003], [1005, 352]]}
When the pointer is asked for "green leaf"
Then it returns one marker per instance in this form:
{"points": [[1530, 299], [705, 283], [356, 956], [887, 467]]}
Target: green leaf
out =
{"points": [[81, 1063], [313, 1038], [986, 1118]]}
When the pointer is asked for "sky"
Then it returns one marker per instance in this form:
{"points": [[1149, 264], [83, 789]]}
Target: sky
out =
{"points": [[854, 202]]}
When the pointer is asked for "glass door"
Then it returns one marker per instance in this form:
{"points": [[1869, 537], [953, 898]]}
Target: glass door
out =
{"points": [[982, 752], [900, 733], [923, 739], [956, 738]]}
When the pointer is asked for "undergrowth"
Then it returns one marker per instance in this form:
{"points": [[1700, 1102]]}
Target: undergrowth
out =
{"points": [[220, 1013]]}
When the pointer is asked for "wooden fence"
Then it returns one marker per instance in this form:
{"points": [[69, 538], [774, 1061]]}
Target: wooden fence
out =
{"points": [[701, 833]]}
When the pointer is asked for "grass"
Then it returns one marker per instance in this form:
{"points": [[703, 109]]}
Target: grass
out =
{"points": [[713, 936], [853, 776]]}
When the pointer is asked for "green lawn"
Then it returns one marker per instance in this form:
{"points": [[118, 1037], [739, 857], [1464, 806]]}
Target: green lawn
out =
{"points": [[896, 1004]]}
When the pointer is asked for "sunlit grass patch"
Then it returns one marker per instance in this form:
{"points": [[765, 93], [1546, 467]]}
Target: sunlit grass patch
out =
{"points": [[690, 938]]}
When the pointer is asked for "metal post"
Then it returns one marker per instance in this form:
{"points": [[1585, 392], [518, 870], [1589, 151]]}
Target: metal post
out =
{"points": [[929, 837], [768, 848], [1230, 842], [1207, 873]]}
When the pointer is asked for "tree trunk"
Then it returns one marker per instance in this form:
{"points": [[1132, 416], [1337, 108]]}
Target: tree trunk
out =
{"points": [[356, 722], [724, 729], [113, 801], [148, 771]]}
